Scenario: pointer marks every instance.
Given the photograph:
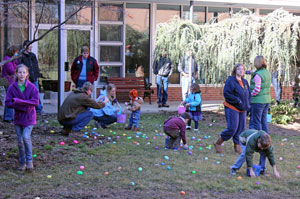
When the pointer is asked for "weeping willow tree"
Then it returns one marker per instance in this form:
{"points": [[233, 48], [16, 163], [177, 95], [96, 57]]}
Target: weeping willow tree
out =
{"points": [[238, 39]]}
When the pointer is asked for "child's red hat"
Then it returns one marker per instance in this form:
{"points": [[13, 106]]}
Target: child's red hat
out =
{"points": [[133, 94]]}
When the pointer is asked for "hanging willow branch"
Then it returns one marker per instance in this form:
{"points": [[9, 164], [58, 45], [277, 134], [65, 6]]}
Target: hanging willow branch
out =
{"points": [[239, 39]]}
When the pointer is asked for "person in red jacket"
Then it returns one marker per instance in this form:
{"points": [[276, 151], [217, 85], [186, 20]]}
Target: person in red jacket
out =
{"points": [[84, 68]]}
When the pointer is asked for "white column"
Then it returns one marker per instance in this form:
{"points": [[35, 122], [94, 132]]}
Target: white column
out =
{"points": [[62, 37], [152, 40], [191, 54], [32, 22]]}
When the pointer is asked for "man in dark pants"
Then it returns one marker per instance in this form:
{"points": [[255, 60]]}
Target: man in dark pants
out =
{"points": [[29, 59], [163, 69]]}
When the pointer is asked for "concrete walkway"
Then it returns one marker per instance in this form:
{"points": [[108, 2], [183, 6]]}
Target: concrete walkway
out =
{"points": [[149, 108]]}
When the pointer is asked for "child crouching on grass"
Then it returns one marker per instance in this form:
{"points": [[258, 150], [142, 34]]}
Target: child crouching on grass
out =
{"points": [[255, 141], [175, 127], [135, 108]]}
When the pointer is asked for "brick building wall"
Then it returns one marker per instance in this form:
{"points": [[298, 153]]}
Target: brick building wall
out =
{"points": [[210, 93]]}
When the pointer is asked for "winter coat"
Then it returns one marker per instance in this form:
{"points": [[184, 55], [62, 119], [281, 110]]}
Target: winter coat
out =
{"points": [[136, 105], [77, 102], [23, 102], [108, 109], [176, 123], [236, 95], [9, 69], [92, 69], [195, 100], [30, 60], [163, 67]]}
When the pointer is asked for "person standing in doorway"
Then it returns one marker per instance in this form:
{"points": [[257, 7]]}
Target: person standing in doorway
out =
{"points": [[84, 68], [183, 69], [29, 59], [163, 69]]}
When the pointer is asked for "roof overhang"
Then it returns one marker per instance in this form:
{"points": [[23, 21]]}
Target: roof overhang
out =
{"points": [[271, 4]]}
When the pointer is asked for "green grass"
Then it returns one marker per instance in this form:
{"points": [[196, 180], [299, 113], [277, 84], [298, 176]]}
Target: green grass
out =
{"points": [[155, 180]]}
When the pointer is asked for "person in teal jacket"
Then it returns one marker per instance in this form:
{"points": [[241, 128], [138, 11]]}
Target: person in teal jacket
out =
{"points": [[193, 106], [107, 115]]}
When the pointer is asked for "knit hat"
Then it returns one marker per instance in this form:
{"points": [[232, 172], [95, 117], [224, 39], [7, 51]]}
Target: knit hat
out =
{"points": [[133, 94]]}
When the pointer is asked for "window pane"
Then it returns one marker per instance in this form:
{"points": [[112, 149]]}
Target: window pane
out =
{"points": [[13, 24], [111, 12], [166, 12], [109, 71], [110, 32], [263, 12], [110, 53], [216, 14], [198, 14], [137, 40], [50, 11], [81, 38], [48, 54], [84, 16]]}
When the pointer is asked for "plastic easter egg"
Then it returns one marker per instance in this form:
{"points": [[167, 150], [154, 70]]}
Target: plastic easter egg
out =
{"points": [[154, 138], [190, 153], [129, 138], [49, 176], [218, 162], [257, 182], [81, 167], [79, 172], [51, 131], [118, 137], [34, 155], [193, 172], [200, 148], [62, 143], [140, 169], [119, 168], [162, 164], [182, 193], [280, 158], [193, 138], [298, 166], [114, 133], [106, 173], [132, 183], [166, 157], [239, 177], [75, 141], [156, 148], [124, 134], [210, 124], [206, 158], [168, 167]]}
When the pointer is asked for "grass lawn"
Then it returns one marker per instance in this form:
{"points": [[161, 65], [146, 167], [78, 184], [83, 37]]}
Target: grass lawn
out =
{"points": [[56, 176]]}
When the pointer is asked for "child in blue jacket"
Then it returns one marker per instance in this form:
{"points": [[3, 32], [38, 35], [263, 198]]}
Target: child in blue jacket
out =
{"points": [[193, 105]]}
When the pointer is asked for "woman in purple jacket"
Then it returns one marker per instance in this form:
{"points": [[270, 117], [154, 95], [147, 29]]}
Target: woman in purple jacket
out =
{"points": [[23, 96], [8, 72]]}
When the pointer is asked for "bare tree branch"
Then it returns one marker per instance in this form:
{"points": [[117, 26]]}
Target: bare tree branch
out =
{"points": [[43, 35], [37, 25]]}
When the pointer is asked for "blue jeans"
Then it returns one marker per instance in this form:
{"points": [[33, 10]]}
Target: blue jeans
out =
{"points": [[39, 107], [258, 121], [134, 119], [80, 83], [241, 159], [8, 114], [162, 89], [79, 122], [258, 117], [106, 120], [24, 143], [185, 85], [236, 123]]}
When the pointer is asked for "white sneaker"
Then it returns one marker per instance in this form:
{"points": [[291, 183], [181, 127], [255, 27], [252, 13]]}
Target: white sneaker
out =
{"points": [[196, 130], [188, 127]]}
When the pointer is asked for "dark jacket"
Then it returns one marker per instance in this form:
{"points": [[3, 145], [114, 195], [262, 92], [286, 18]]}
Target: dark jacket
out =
{"points": [[163, 62], [77, 102], [92, 69], [235, 95], [30, 60], [23, 102]]}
